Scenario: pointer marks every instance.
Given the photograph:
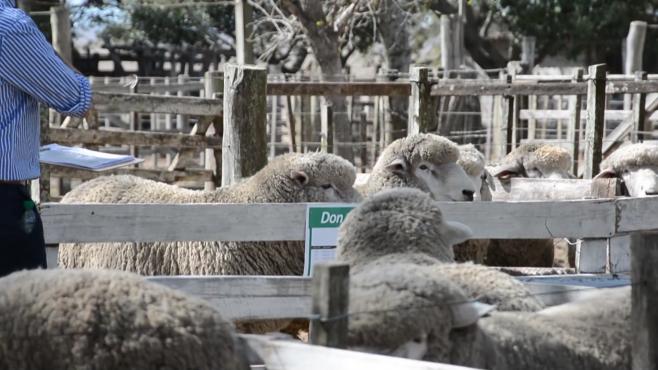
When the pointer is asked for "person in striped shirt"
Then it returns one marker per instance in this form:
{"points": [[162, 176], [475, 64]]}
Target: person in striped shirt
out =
{"points": [[31, 72]]}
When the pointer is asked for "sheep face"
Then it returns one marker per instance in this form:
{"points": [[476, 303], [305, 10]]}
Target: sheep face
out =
{"points": [[424, 161], [472, 161], [639, 181], [535, 161], [637, 166], [447, 182]]}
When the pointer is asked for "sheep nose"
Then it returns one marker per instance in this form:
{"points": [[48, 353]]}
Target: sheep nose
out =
{"points": [[468, 194]]}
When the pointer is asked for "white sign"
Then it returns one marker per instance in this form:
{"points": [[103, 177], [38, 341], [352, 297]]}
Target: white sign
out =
{"points": [[322, 223]]}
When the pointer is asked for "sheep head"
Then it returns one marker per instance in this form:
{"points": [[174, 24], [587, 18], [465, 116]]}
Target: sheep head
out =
{"points": [[535, 161], [399, 220], [424, 161], [636, 165], [309, 177], [472, 161]]}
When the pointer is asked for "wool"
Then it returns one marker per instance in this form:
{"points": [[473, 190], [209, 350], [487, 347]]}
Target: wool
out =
{"points": [[278, 182], [63, 319], [630, 156], [411, 150]]}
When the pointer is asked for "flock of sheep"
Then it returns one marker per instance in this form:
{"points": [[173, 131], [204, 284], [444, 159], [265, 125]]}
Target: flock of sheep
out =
{"points": [[414, 289]]}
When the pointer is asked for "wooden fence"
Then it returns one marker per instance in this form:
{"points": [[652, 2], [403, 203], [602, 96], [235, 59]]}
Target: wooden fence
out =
{"points": [[602, 218]]}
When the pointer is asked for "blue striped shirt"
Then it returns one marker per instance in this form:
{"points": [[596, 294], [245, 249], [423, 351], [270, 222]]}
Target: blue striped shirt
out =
{"points": [[30, 73]]}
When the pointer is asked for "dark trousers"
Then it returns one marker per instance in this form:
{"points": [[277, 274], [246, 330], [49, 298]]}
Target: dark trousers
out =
{"points": [[18, 249]]}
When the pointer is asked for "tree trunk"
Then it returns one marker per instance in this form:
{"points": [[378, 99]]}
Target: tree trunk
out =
{"points": [[326, 48], [395, 36]]}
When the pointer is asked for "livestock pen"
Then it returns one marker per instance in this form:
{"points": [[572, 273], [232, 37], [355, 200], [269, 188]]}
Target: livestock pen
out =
{"points": [[278, 297]]}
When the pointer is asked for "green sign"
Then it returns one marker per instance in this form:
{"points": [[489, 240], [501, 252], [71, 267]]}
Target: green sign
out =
{"points": [[322, 223]]}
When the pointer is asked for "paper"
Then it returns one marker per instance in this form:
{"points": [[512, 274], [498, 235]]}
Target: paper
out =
{"points": [[83, 158], [322, 223]]}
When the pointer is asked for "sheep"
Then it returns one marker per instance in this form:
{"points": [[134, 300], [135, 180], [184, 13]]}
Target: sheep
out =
{"points": [[473, 163], [636, 165], [423, 161], [314, 177], [64, 319], [404, 310], [533, 161], [406, 225]]}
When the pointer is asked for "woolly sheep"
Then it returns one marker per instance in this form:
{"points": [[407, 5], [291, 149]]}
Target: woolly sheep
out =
{"points": [[406, 225], [637, 165], [64, 319], [314, 177], [533, 161], [423, 161], [473, 163], [397, 310]]}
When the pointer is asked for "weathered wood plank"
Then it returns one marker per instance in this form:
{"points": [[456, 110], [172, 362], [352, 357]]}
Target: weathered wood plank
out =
{"points": [[644, 299], [447, 88], [100, 137], [595, 120], [120, 103], [331, 283], [147, 89], [637, 214], [269, 222], [339, 88], [158, 175], [247, 297], [244, 135], [153, 222], [421, 105], [291, 355]]}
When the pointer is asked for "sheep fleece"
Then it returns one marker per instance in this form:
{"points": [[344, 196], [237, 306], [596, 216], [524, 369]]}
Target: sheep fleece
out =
{"points": [[62, 319]]}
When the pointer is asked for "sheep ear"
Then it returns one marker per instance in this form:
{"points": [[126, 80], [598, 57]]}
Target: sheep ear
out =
{"points": [[468, 313], [300, 177], [398, 165], [607, 173], [453, 232]]}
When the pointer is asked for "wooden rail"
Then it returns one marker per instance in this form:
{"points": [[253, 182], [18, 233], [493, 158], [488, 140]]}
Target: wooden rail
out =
{"points": [[233, 222]]}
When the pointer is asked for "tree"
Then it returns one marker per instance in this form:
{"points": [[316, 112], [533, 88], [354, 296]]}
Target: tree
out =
{"points": [[592, 29]]}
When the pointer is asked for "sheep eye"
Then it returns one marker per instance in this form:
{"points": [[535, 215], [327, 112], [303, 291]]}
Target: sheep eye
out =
{"points": [[326, 186], [423, 167]]}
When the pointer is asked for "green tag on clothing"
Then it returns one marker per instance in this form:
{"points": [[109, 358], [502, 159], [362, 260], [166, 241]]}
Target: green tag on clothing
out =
{"points": [[28, 205]]}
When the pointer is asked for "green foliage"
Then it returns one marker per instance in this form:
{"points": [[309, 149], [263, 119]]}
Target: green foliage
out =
{"points": [[593, 28], [133, 21]]}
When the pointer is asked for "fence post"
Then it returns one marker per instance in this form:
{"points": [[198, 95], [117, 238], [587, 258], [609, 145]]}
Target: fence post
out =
{"points": [[244, 139], [576, 103], [644, 298], [213, 85], [509, 118], [275, 102], [421, 114], [330, 304], [60, 22], [528, 52], [513, 115], [595, 120], [244, 52], [633, 52], [363, 122], [326, 127], [639, 112]]}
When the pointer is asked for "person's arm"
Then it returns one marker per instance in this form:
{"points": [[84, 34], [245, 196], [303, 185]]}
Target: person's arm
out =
{"points": [[29, 62]]}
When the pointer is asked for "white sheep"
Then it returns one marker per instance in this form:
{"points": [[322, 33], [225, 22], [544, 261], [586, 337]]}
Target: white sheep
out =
{"points": [[406, 225], [314, 177], [636, 165], [473, 163], [403, 309], [532, 161], [66, 319], [423, 161]]}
